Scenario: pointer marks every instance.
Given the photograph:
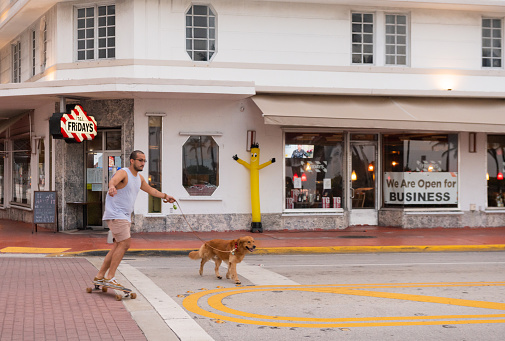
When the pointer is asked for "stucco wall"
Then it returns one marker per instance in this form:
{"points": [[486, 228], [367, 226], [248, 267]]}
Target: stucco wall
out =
{"points": [[289, 47]]}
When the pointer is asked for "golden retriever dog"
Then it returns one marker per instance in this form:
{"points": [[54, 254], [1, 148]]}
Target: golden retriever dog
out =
{"points": [[231, 252]]}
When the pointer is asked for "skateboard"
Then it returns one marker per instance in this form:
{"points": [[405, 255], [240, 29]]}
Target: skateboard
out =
{"points": [[126, 292]]}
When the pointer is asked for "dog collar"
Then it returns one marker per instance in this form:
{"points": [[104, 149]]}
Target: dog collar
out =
{"points": [[236, 248]]}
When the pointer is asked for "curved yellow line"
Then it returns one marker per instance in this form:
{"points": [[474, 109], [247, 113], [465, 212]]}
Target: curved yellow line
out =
{"points": [[217, 295]]}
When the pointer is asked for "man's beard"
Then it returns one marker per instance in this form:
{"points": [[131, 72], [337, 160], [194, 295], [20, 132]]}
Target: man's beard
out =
{"points": [[138, 169]]}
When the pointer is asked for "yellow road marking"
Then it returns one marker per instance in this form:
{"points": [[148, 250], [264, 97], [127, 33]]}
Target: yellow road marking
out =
{"points": [[217, 295], [427, 299], [215, 302], [376, 249], [33, 250]]}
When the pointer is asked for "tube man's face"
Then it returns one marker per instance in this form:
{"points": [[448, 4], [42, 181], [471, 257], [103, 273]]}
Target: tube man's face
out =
{"points": [[255, 156]]}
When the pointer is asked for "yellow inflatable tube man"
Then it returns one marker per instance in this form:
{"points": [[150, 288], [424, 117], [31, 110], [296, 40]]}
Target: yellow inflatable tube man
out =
{"points": [[254, 168]]}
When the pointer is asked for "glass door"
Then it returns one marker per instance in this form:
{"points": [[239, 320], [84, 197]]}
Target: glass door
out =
{"points": [[363, 180], [94, 187], [100, 168], [103, 160]]}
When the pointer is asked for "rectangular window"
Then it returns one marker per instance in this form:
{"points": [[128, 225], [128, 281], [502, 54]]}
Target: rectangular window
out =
{"points": [[21, 184], [420, 170], [33, 53], [396, 39], [495, 170], [16, 62], [42, 165], [154, 159], [314, 170], [2, 168], [362, 38], [96, 32], [44, 47], [491, 42]]}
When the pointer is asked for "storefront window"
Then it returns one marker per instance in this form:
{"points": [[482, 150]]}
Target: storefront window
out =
{"points": [[42, 168], [96, 143], [200, 165], [113, 140], [495, 170], [2, 159], [314, 170], [420, 170], [21, 180], [154, 159]]}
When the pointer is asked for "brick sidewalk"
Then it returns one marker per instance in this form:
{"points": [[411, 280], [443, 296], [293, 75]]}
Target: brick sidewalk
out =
{"points": [[36, 303]]}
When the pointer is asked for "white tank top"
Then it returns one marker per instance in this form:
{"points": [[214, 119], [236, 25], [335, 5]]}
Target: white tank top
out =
{"points": [[121, 205]]}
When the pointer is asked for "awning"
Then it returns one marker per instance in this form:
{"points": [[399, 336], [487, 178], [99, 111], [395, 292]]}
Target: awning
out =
{"points": [[405, 113], [5, 124]]}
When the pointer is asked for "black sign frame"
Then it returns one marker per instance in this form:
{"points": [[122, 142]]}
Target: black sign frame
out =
{"points": [[45, 208]]}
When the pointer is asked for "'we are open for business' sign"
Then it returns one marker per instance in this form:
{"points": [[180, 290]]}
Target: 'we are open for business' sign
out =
{"points": [[421, 188]]}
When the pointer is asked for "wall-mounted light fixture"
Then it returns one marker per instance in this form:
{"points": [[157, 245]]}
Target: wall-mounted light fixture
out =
{"points": [[446, 82], [251, 138], [472, 142]]}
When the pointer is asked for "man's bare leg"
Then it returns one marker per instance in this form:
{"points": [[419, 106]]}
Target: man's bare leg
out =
{"points": [[106, 262], [117, 256]]}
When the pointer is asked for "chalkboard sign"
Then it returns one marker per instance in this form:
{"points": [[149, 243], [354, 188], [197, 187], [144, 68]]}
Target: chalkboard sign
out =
{"points": [[44, 207]]}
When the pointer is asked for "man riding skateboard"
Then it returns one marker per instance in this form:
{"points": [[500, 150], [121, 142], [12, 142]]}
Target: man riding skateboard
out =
{"points": [[119, 203]]}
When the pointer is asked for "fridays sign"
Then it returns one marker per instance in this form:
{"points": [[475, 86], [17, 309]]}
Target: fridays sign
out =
{"points": [[75, 126], [420, 188]]}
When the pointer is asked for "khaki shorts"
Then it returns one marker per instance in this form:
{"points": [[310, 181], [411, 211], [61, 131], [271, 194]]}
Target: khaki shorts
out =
{"points": [[120, 229]]}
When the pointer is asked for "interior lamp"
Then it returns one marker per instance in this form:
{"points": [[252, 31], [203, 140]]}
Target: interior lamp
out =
{"points": [[500, 176], [370, 167], [304, 177], [354, 177]]}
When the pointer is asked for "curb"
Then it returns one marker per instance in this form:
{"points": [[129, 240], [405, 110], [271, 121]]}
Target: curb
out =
{"points": [[303, 250]]}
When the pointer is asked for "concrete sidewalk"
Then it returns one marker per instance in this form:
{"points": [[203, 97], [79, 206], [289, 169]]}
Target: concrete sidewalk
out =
{"points": [[17, 237]]}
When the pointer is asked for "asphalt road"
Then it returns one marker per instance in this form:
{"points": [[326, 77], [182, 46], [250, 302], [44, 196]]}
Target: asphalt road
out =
{"points": [[403, 296]]}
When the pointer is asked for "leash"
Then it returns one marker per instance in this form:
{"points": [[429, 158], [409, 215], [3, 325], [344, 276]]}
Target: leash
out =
{"points": [[203, 241]]}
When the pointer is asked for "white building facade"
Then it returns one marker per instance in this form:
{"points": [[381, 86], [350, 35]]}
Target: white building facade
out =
{"points": [[376, 112]]}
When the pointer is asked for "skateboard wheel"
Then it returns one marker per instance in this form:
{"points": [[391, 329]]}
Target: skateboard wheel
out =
{"points": [[104, 289], [133, 295], [119, 297], [89, 290]]}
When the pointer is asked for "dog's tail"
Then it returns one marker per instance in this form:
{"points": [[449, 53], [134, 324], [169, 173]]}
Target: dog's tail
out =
{"points": [[196, 254]]}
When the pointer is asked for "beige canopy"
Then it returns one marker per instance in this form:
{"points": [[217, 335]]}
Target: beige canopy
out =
{"points": [[405, 113]]}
